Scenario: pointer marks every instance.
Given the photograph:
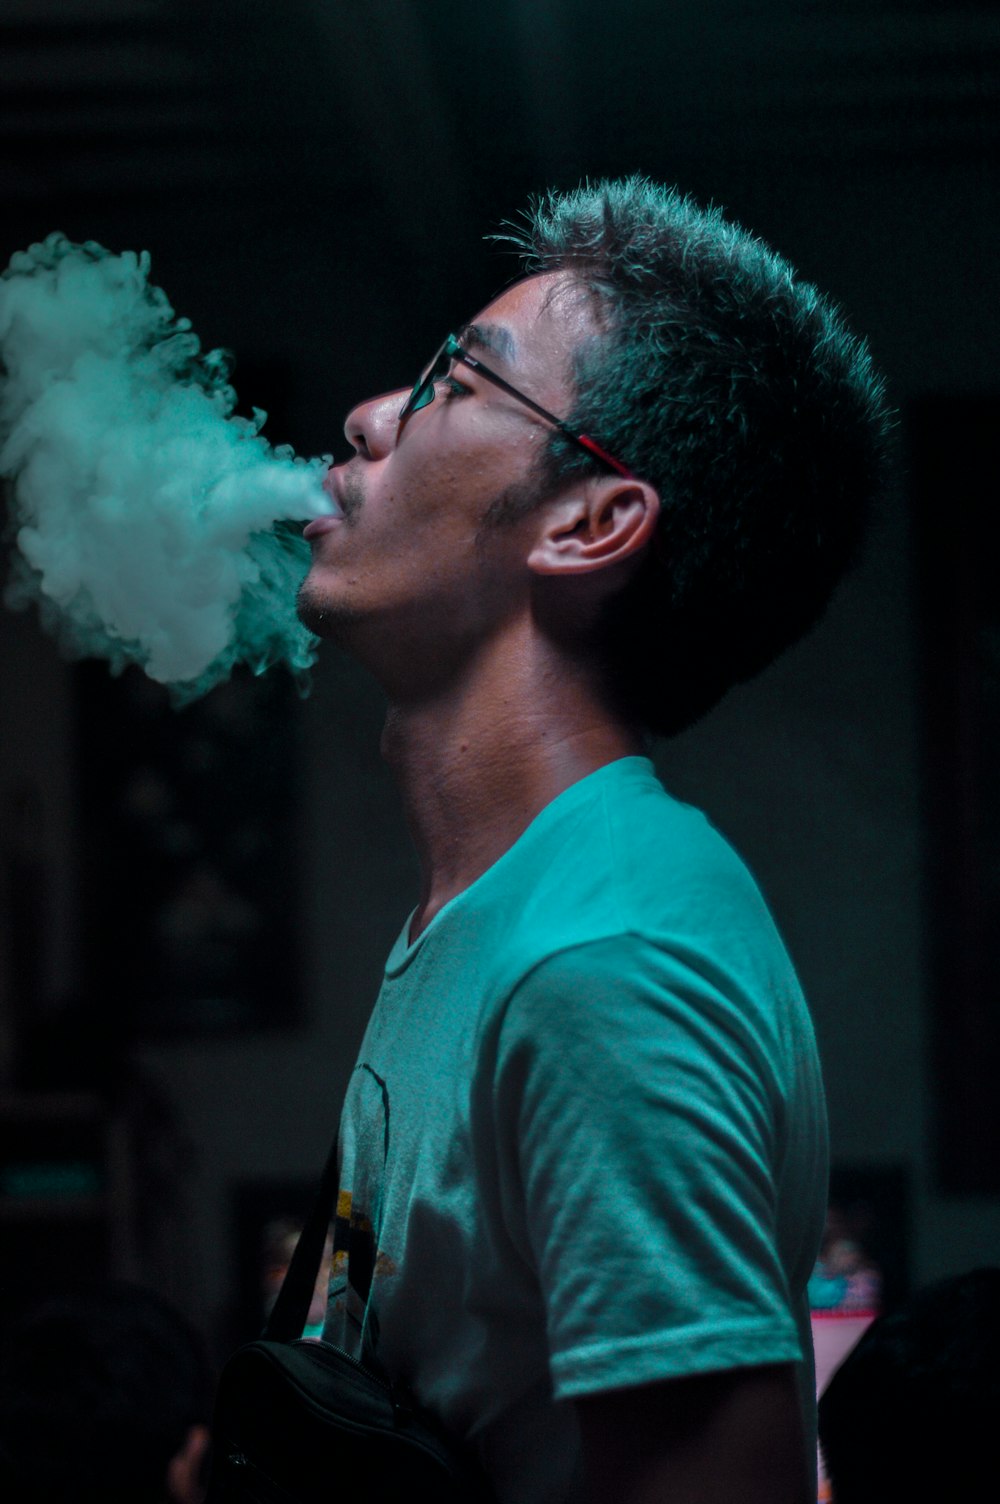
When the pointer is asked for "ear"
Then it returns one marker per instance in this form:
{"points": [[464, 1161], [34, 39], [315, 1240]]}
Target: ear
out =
{"points": [[599, 524]]}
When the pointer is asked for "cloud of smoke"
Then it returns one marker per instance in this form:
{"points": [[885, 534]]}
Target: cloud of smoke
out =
{"points": [[148, 517]]}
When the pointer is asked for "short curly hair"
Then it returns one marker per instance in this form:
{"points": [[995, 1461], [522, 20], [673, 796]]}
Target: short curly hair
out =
{"points": [[737, 390]]}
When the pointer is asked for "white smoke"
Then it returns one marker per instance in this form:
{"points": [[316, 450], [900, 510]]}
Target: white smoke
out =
{"points": [[147, 516]]}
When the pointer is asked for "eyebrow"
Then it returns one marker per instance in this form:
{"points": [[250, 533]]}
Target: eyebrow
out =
{"points": [[493, 337]]}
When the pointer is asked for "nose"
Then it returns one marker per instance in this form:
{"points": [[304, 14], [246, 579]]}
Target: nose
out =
{"points": [[371, 427]]}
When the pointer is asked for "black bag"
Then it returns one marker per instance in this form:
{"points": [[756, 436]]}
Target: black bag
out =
{"points": [[300, 1422]]}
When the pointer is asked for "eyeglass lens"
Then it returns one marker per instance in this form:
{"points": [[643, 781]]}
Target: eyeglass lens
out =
{"points": [[437, 370]]}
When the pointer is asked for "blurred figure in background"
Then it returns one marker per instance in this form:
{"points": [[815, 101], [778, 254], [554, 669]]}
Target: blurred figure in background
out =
{"points": [[911, 1412], [105, 1395], [280, 1239]]}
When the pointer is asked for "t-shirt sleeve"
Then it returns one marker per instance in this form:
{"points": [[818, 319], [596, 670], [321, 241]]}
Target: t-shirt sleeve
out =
{"points": [[641, 1116]]}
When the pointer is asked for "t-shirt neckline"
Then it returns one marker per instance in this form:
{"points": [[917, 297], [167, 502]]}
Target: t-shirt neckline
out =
{"points": [[404, 951]]}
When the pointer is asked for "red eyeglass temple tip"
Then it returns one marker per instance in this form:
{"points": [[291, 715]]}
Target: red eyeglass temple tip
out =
{"points": [[602, 454]]}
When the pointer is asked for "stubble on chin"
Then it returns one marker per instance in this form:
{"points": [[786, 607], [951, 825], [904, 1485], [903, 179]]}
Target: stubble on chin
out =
{"points": [[310, 609], [318, 615]]}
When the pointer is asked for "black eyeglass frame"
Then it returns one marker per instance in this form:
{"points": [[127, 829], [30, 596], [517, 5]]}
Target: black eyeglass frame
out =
{"points": [[451, 349]]}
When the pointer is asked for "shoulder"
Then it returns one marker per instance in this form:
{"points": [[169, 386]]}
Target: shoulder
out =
{"points": [[632, 894], [624, 914], [673, 869], [618, 853]]}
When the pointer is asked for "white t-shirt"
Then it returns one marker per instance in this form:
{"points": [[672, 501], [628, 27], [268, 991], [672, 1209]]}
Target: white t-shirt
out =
{"points": [[584, 1145]]}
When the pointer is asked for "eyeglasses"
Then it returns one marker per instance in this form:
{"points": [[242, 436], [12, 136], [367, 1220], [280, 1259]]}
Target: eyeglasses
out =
{"points": [[424, 392]]}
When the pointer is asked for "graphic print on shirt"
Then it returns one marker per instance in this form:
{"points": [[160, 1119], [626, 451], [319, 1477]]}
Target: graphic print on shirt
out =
{"points": [[358, 1262]]}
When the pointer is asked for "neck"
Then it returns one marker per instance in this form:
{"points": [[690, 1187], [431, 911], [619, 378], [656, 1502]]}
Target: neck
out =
{"points": [[478, 760]]}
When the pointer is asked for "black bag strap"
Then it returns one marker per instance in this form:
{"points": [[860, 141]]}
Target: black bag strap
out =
{"points": [[289, 1312]]}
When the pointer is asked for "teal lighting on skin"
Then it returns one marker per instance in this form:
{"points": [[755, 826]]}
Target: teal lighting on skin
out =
{"points": [[452, 349]]}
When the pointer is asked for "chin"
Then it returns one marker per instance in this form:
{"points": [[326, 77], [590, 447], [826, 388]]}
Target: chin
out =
{"points": [[321, 616], [313, 611]]}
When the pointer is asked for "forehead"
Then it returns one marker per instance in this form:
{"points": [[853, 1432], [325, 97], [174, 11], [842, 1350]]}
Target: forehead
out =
{"points": [[533, 327]]}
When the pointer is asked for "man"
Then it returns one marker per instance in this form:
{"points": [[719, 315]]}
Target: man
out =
{"points": [[583, 1150]]}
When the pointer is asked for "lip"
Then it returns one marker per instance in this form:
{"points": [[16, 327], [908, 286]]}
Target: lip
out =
{"points": [[320, 525], [331, 485]]}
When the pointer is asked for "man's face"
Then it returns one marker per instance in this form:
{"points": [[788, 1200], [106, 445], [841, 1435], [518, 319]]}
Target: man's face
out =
{"points": [[410, 565]]}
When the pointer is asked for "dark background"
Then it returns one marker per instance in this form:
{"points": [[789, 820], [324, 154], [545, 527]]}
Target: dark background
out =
{"points": [[314, 181]]}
